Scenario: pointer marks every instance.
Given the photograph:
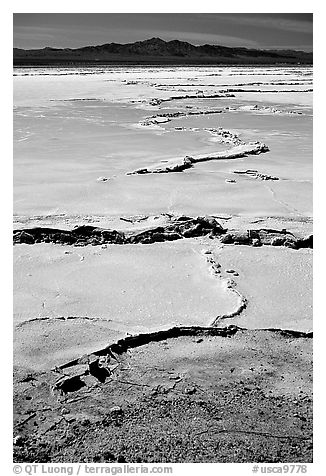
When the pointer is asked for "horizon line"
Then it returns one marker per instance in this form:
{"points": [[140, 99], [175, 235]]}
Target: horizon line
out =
{"points": [[284, 48]]}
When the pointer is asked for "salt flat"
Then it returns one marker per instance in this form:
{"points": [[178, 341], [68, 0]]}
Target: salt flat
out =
{"points": [[277, 284], [163, 264], [72, 129], [79, 134], [135, 287]]}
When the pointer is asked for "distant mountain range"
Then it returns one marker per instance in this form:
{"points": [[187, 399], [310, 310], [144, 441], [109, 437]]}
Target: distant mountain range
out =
{"points": [[157, 52]]}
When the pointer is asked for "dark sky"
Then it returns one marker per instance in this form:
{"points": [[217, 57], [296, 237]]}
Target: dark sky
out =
{"points": [[72, 30]]}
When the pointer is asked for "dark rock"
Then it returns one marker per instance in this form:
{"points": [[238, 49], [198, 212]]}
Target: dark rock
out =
{"points": [[18, 440], [108, 457], [190, 390], [25, 237], [193, 231], [69, 384], [278, 241], [305, 242], [159, 237], [290, 243], [113, 236], [172, 236], [227, 238], [236, 237], [85, 230], [183, 218], [97, 370]]}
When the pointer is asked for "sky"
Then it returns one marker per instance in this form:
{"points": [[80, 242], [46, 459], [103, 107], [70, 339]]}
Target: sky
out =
{"points": [[251, 30]]}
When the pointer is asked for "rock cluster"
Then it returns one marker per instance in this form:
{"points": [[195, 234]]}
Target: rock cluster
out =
{"points": [[180, 164], [172, 115], [255, 174], [177, 228], [171, 166], [158, 101], [266, 236]]}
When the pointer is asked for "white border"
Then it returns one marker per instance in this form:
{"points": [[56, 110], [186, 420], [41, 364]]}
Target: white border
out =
{"points": [[167, 6]]}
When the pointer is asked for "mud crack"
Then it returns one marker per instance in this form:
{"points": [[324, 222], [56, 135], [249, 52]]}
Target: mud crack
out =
{"points": [[101, 364]]}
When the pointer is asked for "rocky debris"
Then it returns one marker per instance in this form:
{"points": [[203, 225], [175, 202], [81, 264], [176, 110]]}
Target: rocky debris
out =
{"points": [[278, 241], [266, 236], [263, 110], [102, 179], [158, 101], [25, 237], [236, 237], [45, 235], [165, 117], [155, 121], [115, 409], [129, 342], [155, 102], [240, 90], [282, 237], [200, 113], [67, 384], [117, 421], [240, 150], [255, 174], [306, 242], [237, 152], [302, 82], [99, 367], [225, 136], [79, 236], [181, 227], [18, 440], [84, 372], [256, 242], [190, 390], [176, 228], [174, 165], [230, 181], [126, 343]]}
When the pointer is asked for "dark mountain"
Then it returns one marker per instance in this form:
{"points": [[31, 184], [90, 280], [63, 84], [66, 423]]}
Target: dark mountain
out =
{"points": [[157, 51]]}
